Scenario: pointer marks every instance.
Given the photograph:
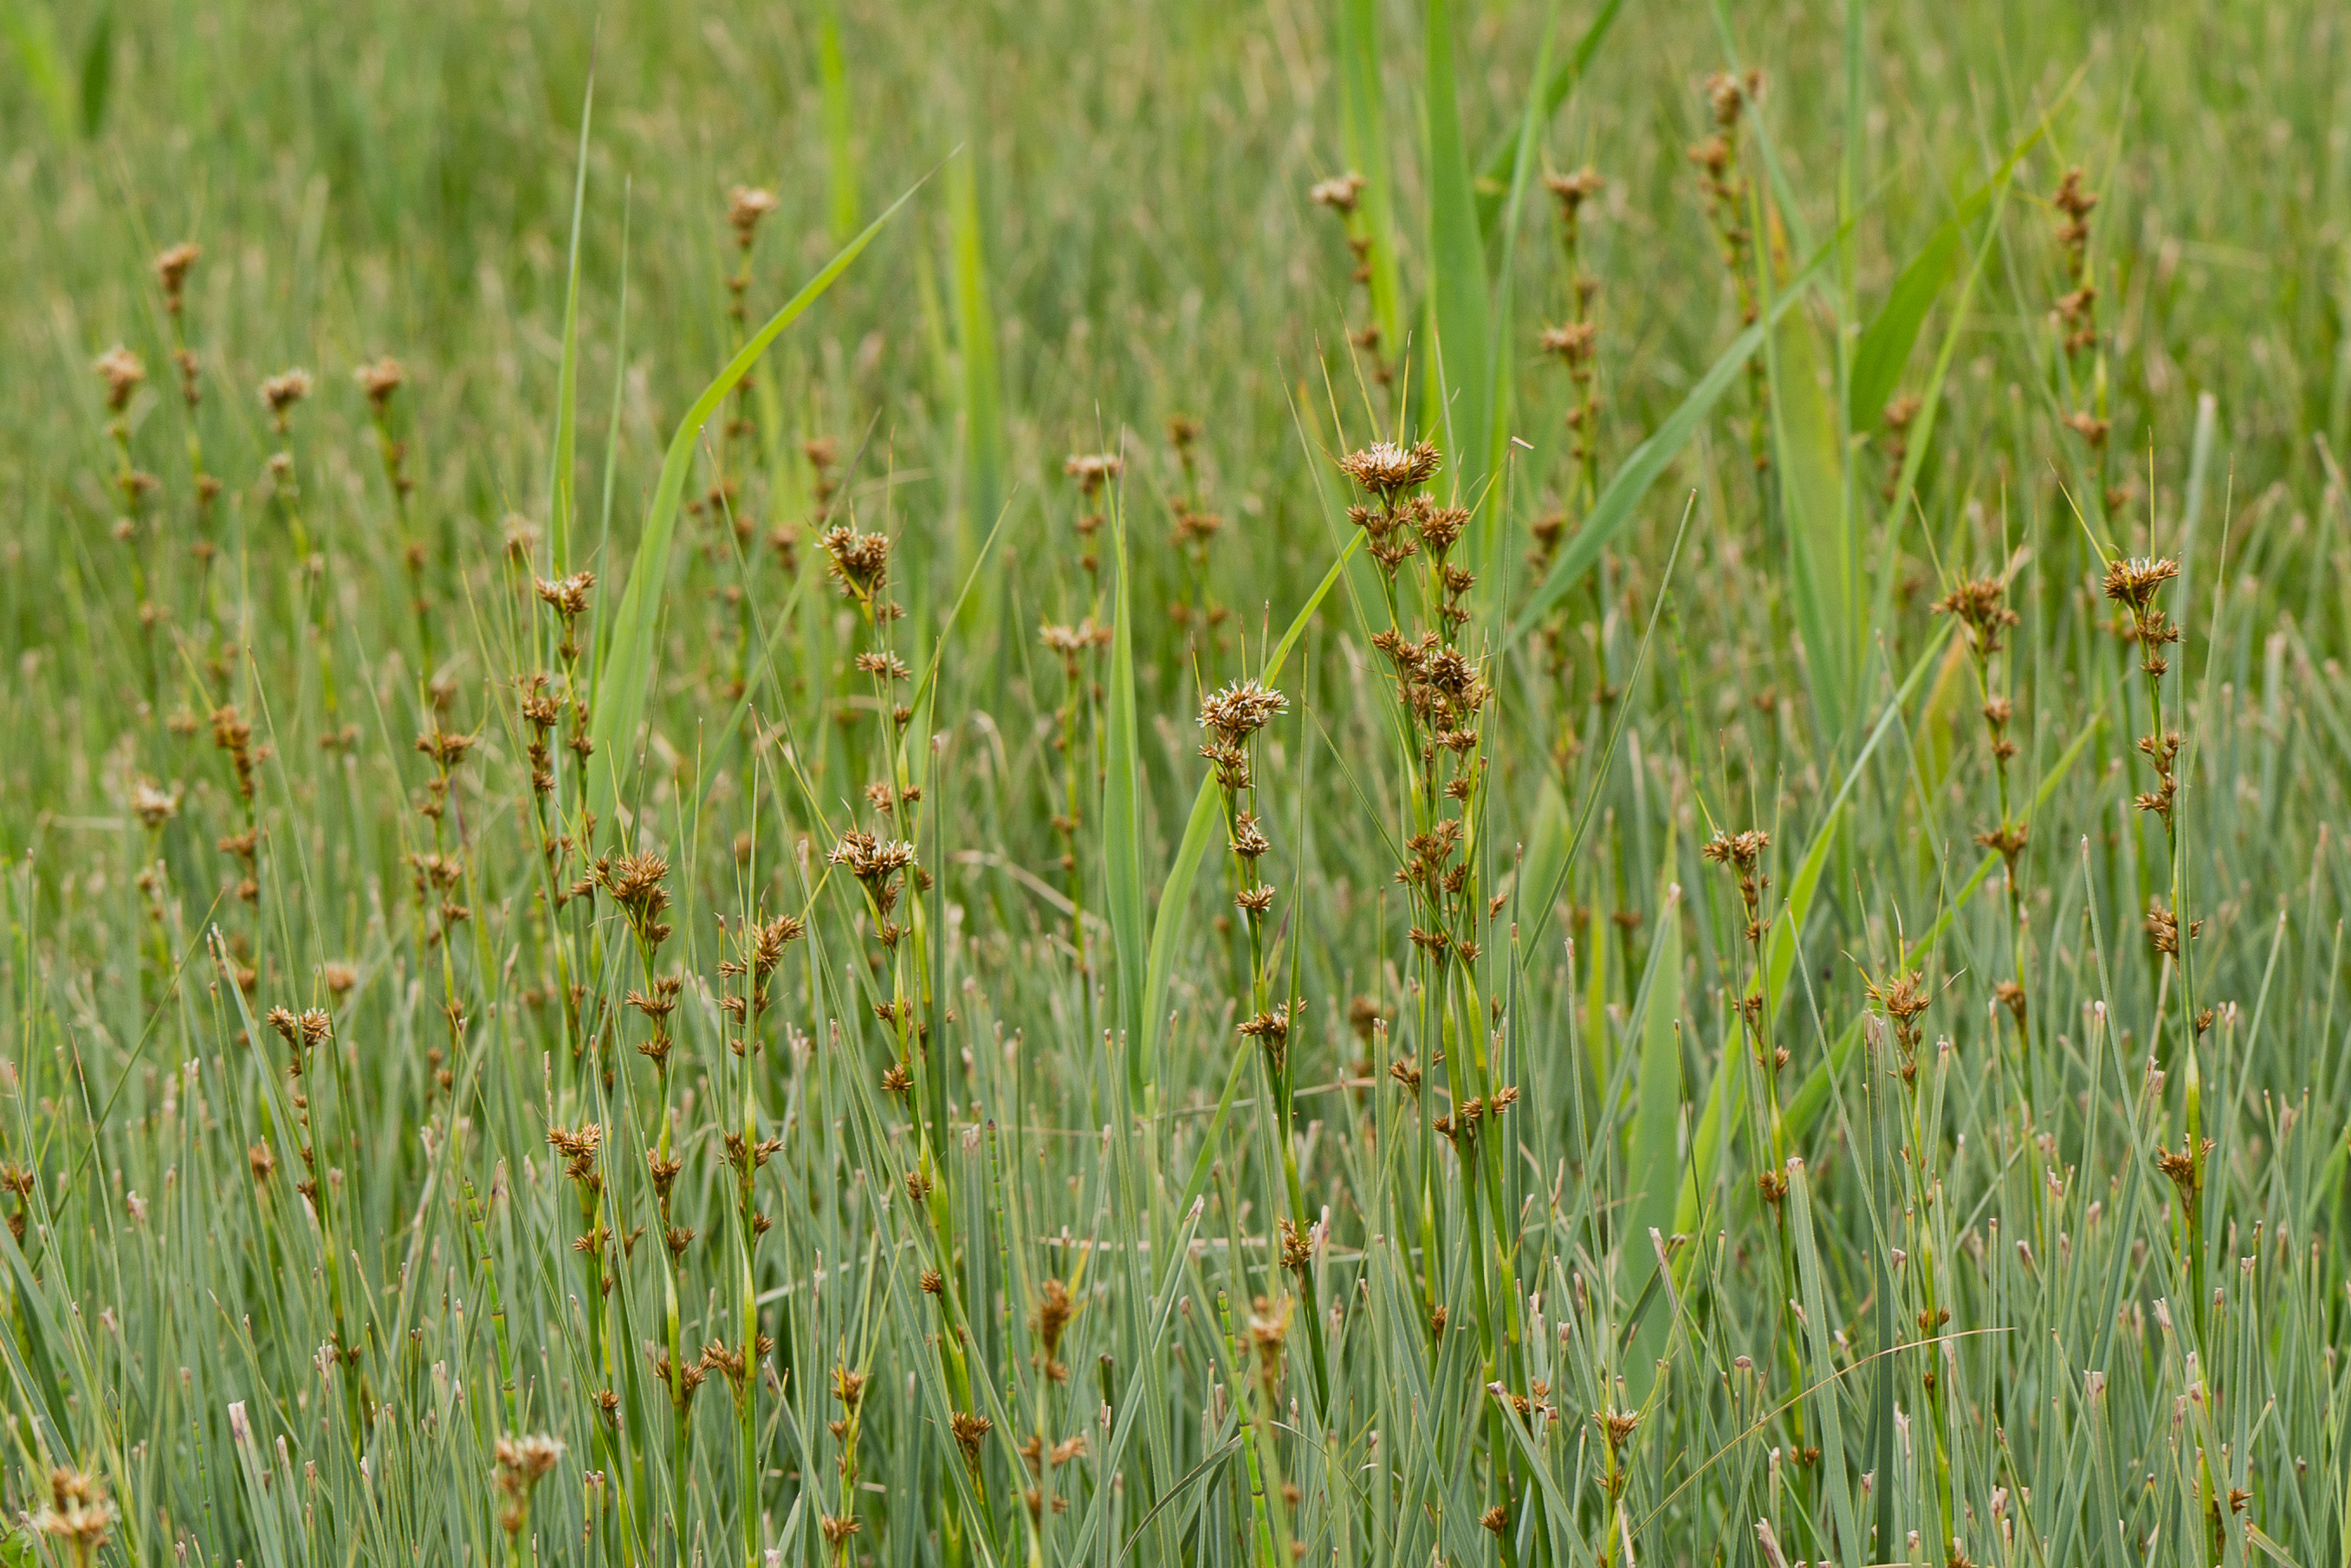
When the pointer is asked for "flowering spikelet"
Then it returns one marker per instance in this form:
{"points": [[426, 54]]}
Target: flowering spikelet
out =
{"points": [[522, 1464], [1339, 193], [153, 807], [1387, 470], [745, 206], [171, 269], [1240, 710], [1977, 605], [123, 371], [634, 883], [380, 378], [1230, 716], [79, 1513], [281, 392], [1092, 470], [859, 562], [2133, 582], [1573, 190]]}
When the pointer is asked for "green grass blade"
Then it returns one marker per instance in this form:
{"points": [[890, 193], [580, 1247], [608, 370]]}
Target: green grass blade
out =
{"points": [[1501, 363], [974, 318], [1828, 1384], [626, 672], [1367, 143], [97, 73], [1614, 509], [563, 461], [1652, 1166], [1823, 579], [34, 37], [1122, 811], [841, 152], [1885, 343], [1555, 85], [1458, 301], [1813, 1096]]}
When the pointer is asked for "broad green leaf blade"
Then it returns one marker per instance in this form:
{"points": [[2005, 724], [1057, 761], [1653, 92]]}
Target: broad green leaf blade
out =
{"points": [[563, 460], [625, 674], [1367, 145], [1456, 257], [1641, 468], [1500, 361], [1653, 1165], [1556, 85], [841, 153], [1885, 344], [1824, 556], [974, 318], [97, 73], [34, 37], [1122, 812]]}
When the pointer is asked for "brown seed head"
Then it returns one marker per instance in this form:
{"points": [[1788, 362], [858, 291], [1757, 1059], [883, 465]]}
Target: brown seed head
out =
{"points": [[968, 1430], [78, 1512], [1574, 189], [745, 206], [2133, 582], [2070, 199], [122, 370], [1618, 1425], [859, 562], [1740, 850], [284, 390], [1240, 710], [1092, 470], [1339, 193], [568, 597], [1726, 96], [1054, 1309], [172, 269], [1387, 470], [151, 806], [380, 378], [1977, 605], [1573, 343]]}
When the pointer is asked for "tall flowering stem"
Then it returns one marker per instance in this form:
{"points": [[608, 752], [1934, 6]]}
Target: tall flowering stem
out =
{"points": [[1442, 697], [2135, 585], [1232, 718], [886, 870], [1980, 606]]}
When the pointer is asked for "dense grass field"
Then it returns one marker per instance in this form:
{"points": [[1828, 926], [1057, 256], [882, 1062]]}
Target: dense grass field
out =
{"points": [[1336, 781]]}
